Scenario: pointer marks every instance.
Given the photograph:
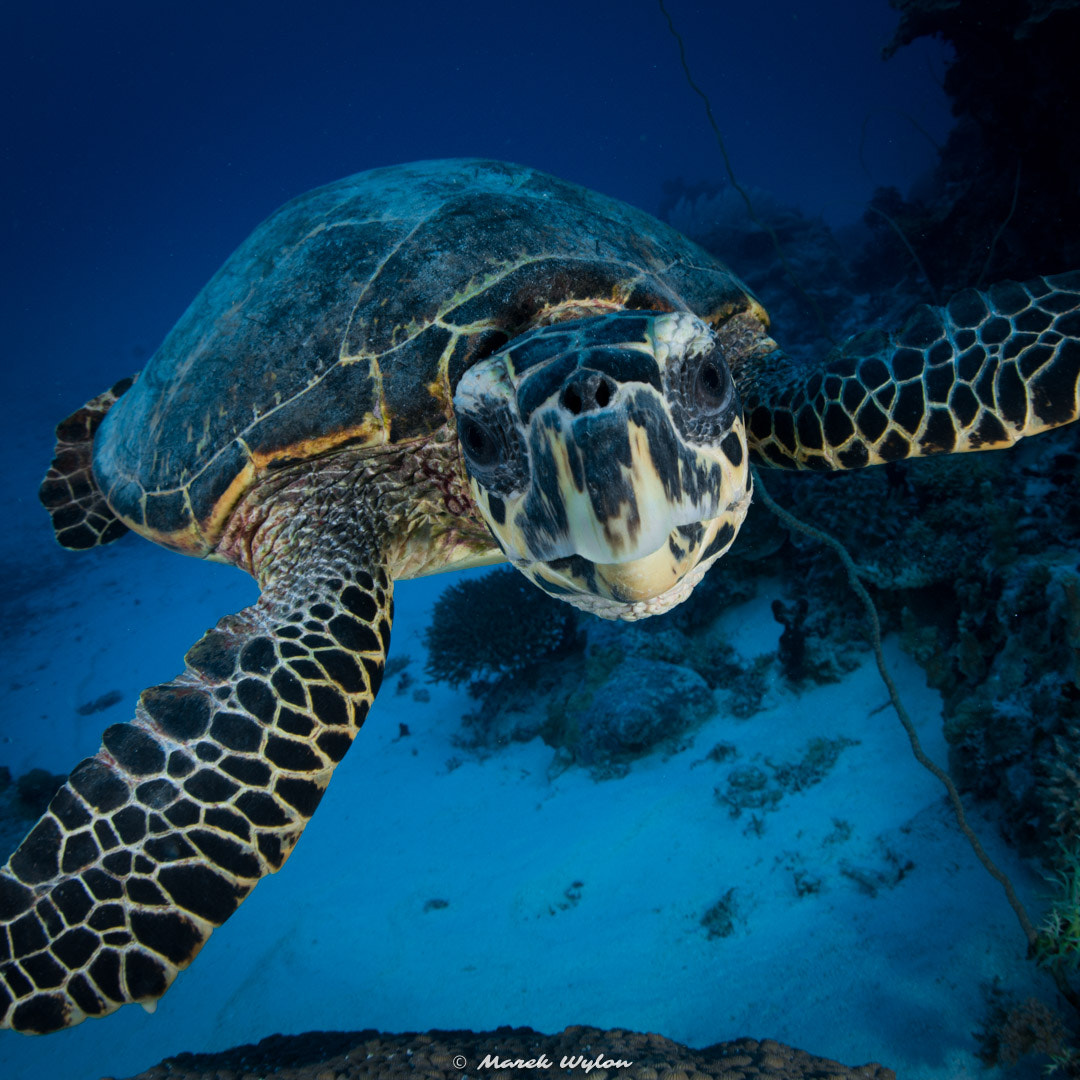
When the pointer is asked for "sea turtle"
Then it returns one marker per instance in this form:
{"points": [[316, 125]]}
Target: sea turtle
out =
{"points": [[414, 369]]}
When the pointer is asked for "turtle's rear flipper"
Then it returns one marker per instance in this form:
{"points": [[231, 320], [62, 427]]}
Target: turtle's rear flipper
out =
{"points": [[80, 515], [155, 841], [987, 369]]}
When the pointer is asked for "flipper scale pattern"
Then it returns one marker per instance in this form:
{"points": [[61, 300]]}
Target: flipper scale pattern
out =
{"points": [[156, 839], [987, 369]]}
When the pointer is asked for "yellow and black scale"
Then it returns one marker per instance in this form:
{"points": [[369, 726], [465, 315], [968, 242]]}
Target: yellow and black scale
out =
{"points": [[415, 369]]}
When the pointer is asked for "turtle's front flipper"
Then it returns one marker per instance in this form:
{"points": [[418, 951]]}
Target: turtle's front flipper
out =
{"points": [[985, 370], [155, 841]]}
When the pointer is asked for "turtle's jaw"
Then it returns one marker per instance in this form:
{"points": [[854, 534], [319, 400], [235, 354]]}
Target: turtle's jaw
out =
{"points": [[645, 586], [624, 523]]}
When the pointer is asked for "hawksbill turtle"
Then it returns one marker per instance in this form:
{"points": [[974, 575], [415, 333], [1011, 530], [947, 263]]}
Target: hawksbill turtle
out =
{"points": [[416, 369]]}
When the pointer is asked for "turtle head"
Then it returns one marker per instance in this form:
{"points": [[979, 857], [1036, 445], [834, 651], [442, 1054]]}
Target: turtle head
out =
{"points": [[608, 457]]}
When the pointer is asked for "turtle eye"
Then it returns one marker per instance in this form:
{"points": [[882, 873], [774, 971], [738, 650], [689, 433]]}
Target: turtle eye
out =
{"points": [[712, 384], [481, 446]]}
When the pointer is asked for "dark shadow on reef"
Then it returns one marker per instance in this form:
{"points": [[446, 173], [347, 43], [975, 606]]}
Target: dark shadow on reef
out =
{"points": [[1002, 203]]}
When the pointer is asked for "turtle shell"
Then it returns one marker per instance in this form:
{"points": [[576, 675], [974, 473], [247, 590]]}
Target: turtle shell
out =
{"points": [[349, 315]]}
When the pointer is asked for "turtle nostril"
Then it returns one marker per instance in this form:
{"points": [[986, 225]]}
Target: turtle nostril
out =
{"points": [[586, 392]]}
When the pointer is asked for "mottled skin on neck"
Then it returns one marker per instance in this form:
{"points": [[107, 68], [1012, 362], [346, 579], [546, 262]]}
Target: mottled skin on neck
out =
{"points": [[413, 500]]}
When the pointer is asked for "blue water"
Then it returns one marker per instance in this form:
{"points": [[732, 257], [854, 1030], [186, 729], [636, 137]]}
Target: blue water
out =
{"points": [[140, 149], [143, 142]]}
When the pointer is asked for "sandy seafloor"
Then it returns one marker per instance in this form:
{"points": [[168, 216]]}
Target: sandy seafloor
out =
{"points": [[344, 937]]}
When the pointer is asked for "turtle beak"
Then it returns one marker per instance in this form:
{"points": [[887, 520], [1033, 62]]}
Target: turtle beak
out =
{"points": [[647, 586]]}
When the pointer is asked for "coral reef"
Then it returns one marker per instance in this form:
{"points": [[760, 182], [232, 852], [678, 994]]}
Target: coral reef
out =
{"points": [[640, 705], [494, 625], [973, 558], [1002, 201], [609, 699], [719, 920], [750, 787], [1057, 944], [441, 1055], [1013, 1029], [616, 692]]}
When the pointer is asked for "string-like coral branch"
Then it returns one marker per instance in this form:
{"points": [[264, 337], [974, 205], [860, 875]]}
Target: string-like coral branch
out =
{"points": [[874, 627], [862, 138], [764, 226], [1002, 227], [910, 250]]}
